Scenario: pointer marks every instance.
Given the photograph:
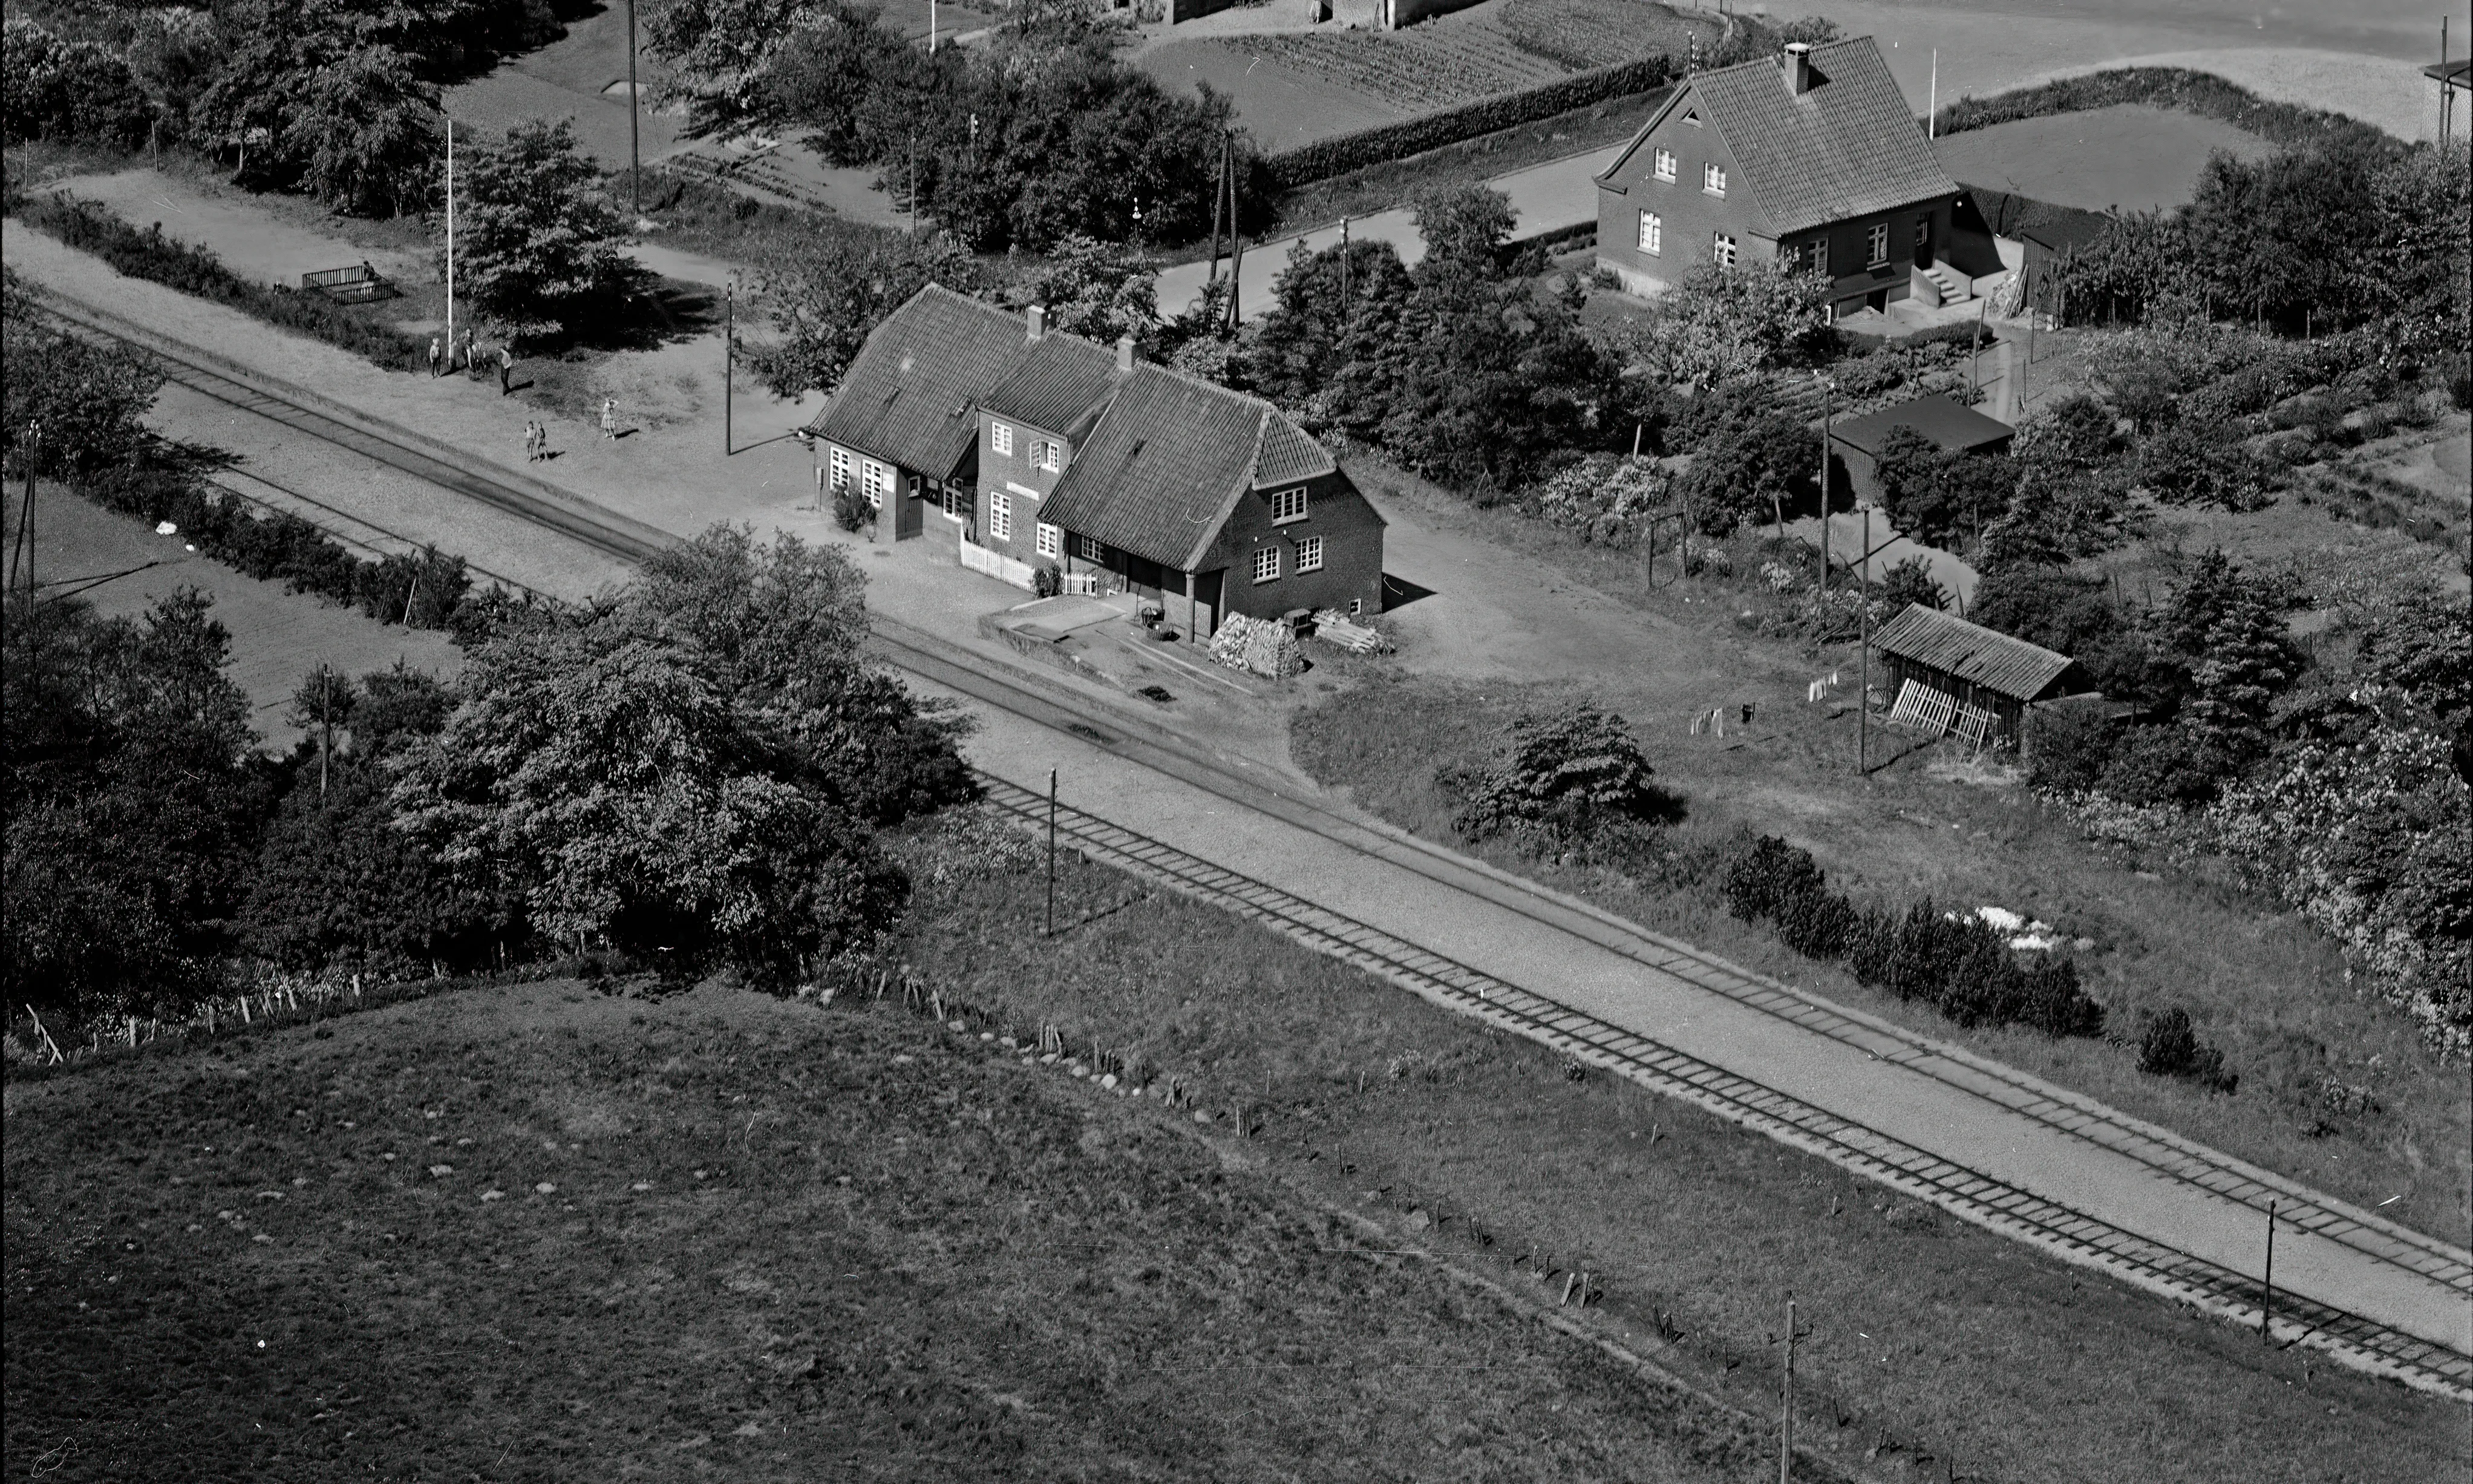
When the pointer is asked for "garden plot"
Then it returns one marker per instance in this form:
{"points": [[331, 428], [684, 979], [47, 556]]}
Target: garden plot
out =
{"points": [[1413, 71], [1582, 33], [2132, 157]]}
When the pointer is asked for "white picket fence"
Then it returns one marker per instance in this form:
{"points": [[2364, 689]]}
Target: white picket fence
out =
{"points": [[996, 565]]}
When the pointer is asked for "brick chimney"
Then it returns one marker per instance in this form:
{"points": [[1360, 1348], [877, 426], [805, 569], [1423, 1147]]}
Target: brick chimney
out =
{"points": [[1124, 354], [1038, 320], [1797, 62]]}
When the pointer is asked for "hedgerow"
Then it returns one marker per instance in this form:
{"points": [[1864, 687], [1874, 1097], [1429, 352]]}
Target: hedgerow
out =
{"points": [[2203, 93], [1340, 153], [189, 269]]}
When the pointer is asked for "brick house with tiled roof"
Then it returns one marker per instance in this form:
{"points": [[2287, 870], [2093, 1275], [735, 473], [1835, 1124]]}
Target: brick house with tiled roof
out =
{"points": [[1811, 157], [1043, 448]]}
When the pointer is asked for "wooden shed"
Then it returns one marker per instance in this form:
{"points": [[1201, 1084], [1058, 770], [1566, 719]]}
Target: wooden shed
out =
{"points": [[1973, 667]]}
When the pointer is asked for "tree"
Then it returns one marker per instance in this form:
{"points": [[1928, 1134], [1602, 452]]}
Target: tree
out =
{"points": [[68, 407], [1750, 457], [1338, 313], [537, 239], [1938, 498], [56, 89], [2423, 648], [830, 286], [1098, 290], [717, 50], [1464, 227], [1561, 776], [1910, 582], [367, 133], [2068, 614], [1723, 324]]}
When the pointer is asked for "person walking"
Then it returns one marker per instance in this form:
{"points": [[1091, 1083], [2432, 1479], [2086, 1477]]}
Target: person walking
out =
{"points": [[532, 440], [609, 417], [506, 369], [470, 367], [434, 354]]}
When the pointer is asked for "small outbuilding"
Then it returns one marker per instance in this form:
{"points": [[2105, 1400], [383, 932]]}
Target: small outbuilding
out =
{"points": [[1854, 445], [1995, 673]]}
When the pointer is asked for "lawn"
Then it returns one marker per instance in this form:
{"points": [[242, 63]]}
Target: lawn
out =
{"points": [[2131, 156], [2260, 983], [595, 1236], [546, 1233]]}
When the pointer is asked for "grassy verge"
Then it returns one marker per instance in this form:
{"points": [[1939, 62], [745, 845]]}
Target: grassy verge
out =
{"points": [[2259, 982], [593, 1237], [1934, 1341]]}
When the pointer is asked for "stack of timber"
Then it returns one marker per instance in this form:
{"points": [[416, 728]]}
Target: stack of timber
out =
{"points": [[1265, 646], [1331, 626]]}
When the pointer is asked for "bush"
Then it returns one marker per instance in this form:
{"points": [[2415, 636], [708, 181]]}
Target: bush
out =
{"points": [[1778, 882], [1560, 778], [2068, 748], [853, 510], [193, 270], [53, 89], [1046, 580], [2168, 1046], [1340, 153]]}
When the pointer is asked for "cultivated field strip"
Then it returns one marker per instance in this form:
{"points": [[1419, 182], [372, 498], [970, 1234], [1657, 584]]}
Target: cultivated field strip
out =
{"points": [[1964, 1192], [2149, 1264]]}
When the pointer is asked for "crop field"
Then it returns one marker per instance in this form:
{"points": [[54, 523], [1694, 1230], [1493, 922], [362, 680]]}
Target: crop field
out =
{"points": [[1582, 33], [2132, 157], [543, 1233], [1429, 66]]}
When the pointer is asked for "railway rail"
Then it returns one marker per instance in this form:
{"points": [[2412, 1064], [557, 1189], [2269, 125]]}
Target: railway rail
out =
{"points": [[2425, 1363]]}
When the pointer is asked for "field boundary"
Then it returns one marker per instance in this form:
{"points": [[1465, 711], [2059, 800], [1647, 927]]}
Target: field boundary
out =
{"points": [[1031, 696], [1998, 1207], [1383, 143], [2185, 89]]}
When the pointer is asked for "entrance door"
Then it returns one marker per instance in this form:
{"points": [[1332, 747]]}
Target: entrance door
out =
{"points": [[1923, 241]]}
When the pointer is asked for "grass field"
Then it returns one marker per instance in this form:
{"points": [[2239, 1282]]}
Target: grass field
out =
{"points": [[543, 1231], [2132, 158], [2261, 984]]}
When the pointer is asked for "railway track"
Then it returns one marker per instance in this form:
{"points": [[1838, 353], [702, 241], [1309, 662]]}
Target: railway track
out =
{"points": [[2161, 1268]]}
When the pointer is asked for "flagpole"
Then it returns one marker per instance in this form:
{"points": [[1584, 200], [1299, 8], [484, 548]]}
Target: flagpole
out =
{"points": [[450, 239]]}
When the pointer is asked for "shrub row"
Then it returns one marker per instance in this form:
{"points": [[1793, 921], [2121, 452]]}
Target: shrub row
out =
{"points": [[425, 590], [1958, 965], [2203, 93], [189, 269], [1340, 153]]}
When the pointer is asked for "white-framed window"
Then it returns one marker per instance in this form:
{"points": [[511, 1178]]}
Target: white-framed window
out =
{"points": [[1877, 239], [1051, 540], [1713, 179], [840, 470], [880, 483], [1000, 438], [1652, 234], [1721, 250], [1090, 549], [1820, 255], [1287, 505], [1266, 562], [1668, 162], [1001, 514], [1049, 455], [957, 502], [1310, 554]]}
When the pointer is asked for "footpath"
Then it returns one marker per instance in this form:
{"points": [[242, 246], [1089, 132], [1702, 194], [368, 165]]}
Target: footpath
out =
{"points": [[1929, 1096]]}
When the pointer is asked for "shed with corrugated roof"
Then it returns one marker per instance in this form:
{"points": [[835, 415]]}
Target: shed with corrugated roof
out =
{"points": [[1982, 667]]}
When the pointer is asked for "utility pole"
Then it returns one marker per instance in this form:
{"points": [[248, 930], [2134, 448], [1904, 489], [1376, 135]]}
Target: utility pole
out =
{"points": [[1932, 109], [1219, 202], [450, 240], [635, 115], [1824, 483], [1051, 853], [24, 545], [728, 345], [2266, 1284], [326, 729], [1864, 662], [1786, 1415]]}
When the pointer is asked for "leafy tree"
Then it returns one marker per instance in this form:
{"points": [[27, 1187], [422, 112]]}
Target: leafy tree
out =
{"points": [[1098, 290], [366, 132], [56, 89], [316, 95], [1723, 324], [1464, 227], [68, 407], [1749, 457], [2068, 614], [537, 239], [830, 286], [1910, 582], [2187, 465], [2423, 648], [717, 50], [1936, 497], [1339, 317]]}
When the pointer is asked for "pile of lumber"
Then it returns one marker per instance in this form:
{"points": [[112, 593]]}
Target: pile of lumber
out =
{"points": [[1332, 625], [1265, 646]]}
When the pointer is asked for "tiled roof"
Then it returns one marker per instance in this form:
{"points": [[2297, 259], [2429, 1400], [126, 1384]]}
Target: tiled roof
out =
{"points": [[908, 395], [1057, 378], [1849, 147], [1972, 653], [1945, 423], [1165, 463]]}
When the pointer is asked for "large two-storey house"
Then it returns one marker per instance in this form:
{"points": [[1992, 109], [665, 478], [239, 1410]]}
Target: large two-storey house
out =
{"points": [[1810, 158], [1043, 448]]}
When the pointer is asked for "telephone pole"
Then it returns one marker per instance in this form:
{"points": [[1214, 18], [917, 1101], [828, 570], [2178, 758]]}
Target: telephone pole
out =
{"points": [[1786, 1415], [1051, 853], [635, 115], [729, 349], [1863, 663]]}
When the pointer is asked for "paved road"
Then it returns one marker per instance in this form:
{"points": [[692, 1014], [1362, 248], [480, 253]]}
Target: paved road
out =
{"points": [[1547, 198], [1934, 1097]]}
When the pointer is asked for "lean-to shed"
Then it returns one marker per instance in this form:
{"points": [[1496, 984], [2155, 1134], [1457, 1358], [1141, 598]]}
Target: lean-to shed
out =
{"points": [[1982, 667]]}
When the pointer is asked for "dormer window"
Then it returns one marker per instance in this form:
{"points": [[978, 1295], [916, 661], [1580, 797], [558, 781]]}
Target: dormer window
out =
{"points": [[1667, 163], [1287, 505], [1713, 180]]}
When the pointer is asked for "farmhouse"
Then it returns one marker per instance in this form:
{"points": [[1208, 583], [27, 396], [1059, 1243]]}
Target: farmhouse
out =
{"points": [[1813, 159], [1854, 445], [1047, 450], [1939, 666]]}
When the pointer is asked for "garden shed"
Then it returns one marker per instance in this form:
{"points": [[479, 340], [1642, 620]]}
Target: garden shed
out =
{"points": [[1971, 666], [1855, 444]]}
